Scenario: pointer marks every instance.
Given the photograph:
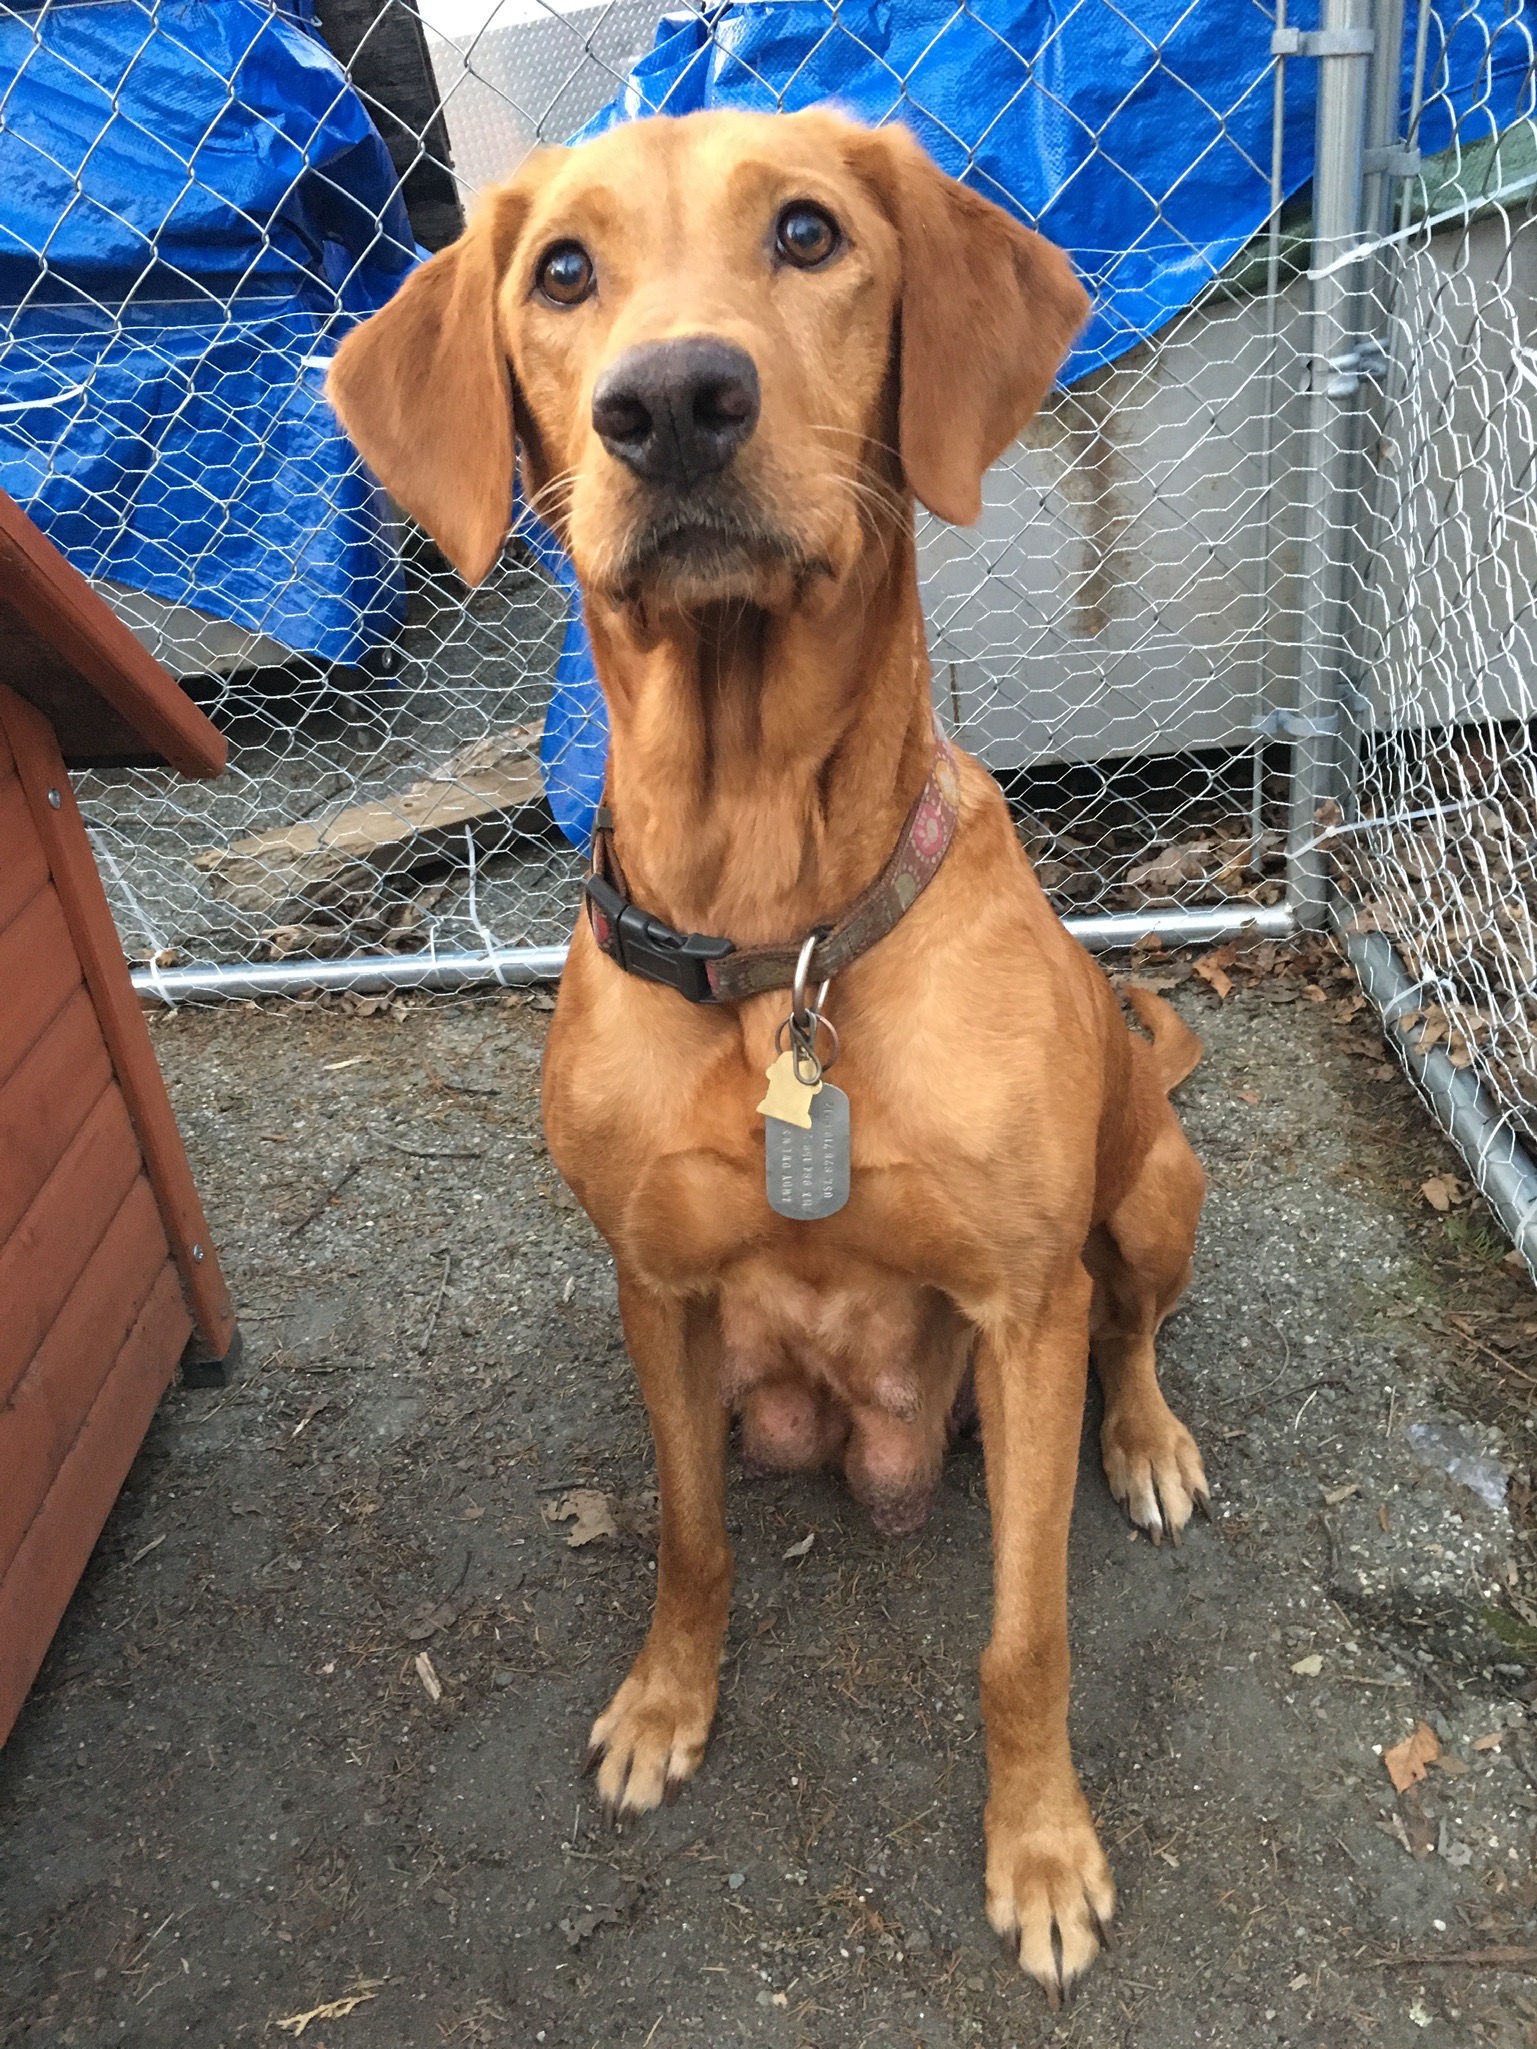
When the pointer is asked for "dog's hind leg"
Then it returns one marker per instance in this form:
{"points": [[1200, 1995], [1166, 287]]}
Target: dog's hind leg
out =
{"points": [[1140, 1260], [653, 1733]]}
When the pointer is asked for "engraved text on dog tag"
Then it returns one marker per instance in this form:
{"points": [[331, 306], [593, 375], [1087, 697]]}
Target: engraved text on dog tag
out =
{"points": [[808, 1171]]}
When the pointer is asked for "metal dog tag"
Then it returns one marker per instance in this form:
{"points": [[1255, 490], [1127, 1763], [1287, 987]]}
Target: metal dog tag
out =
{"points": [[808, 1171]]}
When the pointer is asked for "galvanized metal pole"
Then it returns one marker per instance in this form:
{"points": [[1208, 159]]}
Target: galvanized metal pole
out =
{"points": [[520, 967], [1480, 1128], [1384, 161], [1390, 167], [1342, 48]]}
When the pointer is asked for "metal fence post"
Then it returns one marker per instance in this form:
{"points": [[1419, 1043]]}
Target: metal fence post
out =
{"points": [[1342, 47]]}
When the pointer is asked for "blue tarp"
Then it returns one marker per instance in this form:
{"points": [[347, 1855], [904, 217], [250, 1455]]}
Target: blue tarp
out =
{"points": [[1138, 138], [193, 203]]}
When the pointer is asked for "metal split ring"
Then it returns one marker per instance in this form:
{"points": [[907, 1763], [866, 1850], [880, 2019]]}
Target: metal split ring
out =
{"points": [[799, 1008], [803, 1038]]}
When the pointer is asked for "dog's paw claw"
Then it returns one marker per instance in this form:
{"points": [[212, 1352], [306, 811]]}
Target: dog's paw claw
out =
{"points": [[1153, 1468], [1050, 1896], [649, 1739]]}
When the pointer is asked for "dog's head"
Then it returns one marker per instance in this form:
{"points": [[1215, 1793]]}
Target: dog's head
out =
{"points": [[724, 345]]}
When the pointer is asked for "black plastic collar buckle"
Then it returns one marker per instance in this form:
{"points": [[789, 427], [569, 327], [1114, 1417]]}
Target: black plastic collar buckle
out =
{"points": [[646, 947]]}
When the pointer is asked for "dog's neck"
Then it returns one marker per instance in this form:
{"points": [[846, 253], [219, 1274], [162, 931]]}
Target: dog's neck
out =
{"points": [[762, 763]]}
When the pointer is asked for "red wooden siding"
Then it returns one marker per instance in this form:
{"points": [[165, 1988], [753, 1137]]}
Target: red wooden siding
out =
{"points": [[61, 830], [96, 1203], [53, 1554], [23, 868], [45, 1100]]}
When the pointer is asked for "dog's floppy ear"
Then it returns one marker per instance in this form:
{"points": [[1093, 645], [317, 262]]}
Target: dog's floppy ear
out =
{"points": [[424, 389], [988, 313]]}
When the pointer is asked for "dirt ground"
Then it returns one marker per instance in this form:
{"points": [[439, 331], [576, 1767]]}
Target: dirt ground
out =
{"points": [[309, 1736]]}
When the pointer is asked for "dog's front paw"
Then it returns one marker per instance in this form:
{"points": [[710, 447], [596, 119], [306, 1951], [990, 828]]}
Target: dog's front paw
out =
{"points": [[650, 1738], [1153, 1467], [1049, 1892]]}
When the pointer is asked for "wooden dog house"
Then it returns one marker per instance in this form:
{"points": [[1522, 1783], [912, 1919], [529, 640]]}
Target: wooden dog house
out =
{"points": [[108, 1276]]}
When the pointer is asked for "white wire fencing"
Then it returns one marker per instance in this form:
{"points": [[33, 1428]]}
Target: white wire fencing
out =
{"points": [[1435, 855], [1246, 628]]}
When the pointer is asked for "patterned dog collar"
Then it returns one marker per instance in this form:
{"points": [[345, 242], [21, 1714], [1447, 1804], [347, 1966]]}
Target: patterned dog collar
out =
{"points": [[710, 970]]}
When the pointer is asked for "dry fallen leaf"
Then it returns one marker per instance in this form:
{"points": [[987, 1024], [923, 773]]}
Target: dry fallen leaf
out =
{"points": [[1406, 1761], [1490, 1742], [799, 1550], [589, 1512], [1248, 1095], [426, 1671], [429, 1618], [1450, 1763], [1437, 1191], [1384, 1522], [1218, 980], [1333, 1496], [1310, 1666], [585, 1921]]}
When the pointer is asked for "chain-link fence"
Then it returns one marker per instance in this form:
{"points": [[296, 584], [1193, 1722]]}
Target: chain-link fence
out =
{"points": [[1244, 626], [1435, 852]]}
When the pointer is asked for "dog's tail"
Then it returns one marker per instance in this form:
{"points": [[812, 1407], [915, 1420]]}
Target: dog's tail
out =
{"points": [[1176, 1049]]}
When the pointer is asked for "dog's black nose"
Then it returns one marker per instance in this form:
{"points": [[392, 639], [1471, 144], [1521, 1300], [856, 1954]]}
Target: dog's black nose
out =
{"points": [[677, 411]]}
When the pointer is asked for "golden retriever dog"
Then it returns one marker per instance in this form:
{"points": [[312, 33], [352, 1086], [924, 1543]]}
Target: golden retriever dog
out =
{"points": [[729, 352]]}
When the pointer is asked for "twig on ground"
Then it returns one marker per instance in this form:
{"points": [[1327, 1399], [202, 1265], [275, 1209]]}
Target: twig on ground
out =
{"points": [[326, 1200], [432, 1321]]}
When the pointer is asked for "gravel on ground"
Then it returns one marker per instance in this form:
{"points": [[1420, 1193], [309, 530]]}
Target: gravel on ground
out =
{"points": [[307, 1744]]}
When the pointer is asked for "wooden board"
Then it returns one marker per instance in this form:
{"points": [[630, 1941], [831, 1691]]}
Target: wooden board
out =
{"points": [[54, 1396], [48, 1250], [35, 1591], [23, 870], [38, 973], [45, 1100], [323, 863]]}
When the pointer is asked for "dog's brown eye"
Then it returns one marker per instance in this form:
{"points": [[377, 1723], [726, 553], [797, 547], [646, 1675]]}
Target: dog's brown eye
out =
{"points": [[806, 236], [565, 274]]}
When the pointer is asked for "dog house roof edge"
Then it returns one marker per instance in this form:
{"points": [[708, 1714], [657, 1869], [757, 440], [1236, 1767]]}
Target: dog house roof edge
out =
{"points": [[70, 655]]}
